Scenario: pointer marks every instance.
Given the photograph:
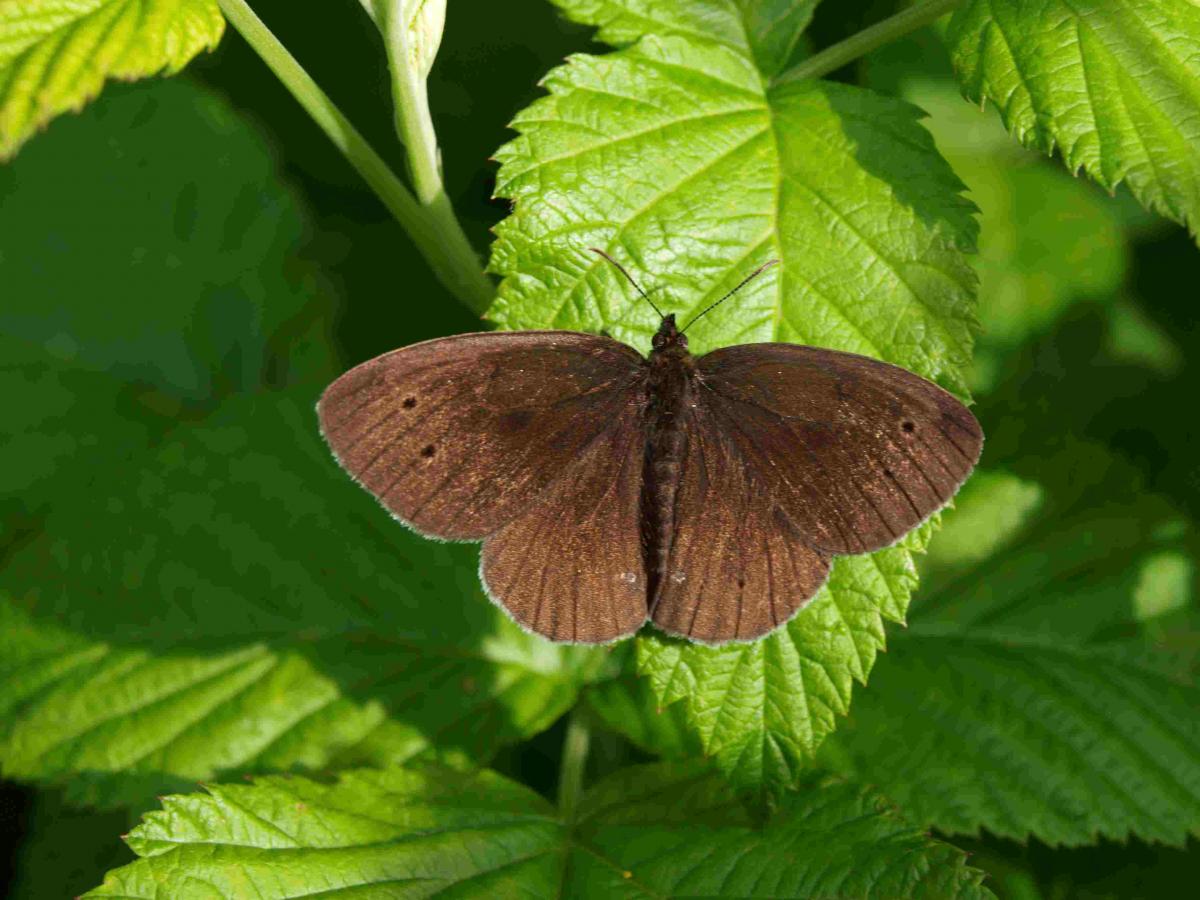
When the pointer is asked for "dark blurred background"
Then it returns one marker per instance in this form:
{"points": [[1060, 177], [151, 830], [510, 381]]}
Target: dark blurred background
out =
{"points": [[1089, 306]]}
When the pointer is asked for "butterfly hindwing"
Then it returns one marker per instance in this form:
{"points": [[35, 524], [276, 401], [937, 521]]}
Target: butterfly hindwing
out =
{"points": [[856, 452], [570, 567], [738, 567], [458, 436]]}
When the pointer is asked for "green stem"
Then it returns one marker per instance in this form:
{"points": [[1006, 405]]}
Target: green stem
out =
{"points": [[414, 124], [832, 58], [574, 760], [444, 248]]}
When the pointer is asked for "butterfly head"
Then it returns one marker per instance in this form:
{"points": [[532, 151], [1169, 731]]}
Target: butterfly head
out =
{"points": [[669, 337]]}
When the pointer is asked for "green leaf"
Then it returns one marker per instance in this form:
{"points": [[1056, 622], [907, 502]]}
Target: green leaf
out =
{"points": [[627, 706], [676, 157], [1164, 585], [1134, 337], [767, 31], [1014, 703], [988, 513], [762, 709], [222, 598], [1114, 86], [119, 724], [990, 729], [238, 531], [240, 528], [654, 831], [843, 185], [55, 56], [151, 238], [1048, 241]]}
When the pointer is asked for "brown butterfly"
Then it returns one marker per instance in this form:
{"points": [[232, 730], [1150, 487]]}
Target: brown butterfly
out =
{"points": [[707, 494]]}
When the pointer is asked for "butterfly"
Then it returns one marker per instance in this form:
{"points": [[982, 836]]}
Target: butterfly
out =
{"points": [[705, 494]]}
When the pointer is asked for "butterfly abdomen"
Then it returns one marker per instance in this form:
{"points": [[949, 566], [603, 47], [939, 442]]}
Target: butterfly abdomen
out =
{"points": [[670, 390]]}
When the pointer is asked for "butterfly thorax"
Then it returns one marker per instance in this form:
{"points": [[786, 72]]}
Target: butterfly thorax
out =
{"points": [[670, 393]]}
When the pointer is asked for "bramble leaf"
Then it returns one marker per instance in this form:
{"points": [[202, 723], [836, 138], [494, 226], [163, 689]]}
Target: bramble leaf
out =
{"points": [[117, 725], [1013, 702], [627, 706], [677, 157], [55, 55], [763, 708], [222, 597], [1114, 85], [652, 831], [672, 156], [766, 31]]}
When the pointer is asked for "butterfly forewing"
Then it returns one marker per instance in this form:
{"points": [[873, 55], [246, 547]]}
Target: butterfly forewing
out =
{"points": [[854, 451], [459, 436]]}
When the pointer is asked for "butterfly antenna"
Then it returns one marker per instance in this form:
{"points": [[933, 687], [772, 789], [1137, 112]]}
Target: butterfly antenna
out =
{"points": [[741, 284], [621, 269]]}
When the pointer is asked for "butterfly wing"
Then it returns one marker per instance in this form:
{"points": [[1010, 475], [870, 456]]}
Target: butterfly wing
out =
{"points": [[532, 440], [794, 454], [570, 567], [458, 436], [854, 451], [737, 567]]}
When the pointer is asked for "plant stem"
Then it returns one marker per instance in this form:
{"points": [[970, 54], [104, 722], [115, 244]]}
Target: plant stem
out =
{"points": [[574, 760], [862, 43], [414, 126], [443, 246]]}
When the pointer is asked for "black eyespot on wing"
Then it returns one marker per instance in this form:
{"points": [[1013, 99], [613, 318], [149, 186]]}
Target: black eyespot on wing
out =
{"points": [[409, 402], [909, 427], [428, 450]]}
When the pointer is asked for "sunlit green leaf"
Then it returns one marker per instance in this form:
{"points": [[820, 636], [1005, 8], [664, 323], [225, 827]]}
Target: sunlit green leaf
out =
{"points": [[55, 55], [1164, 585], [1114, 85], [654, 831], [765, 30], [118, 724], [1046, 240], [628, 706], [988, 512]]}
